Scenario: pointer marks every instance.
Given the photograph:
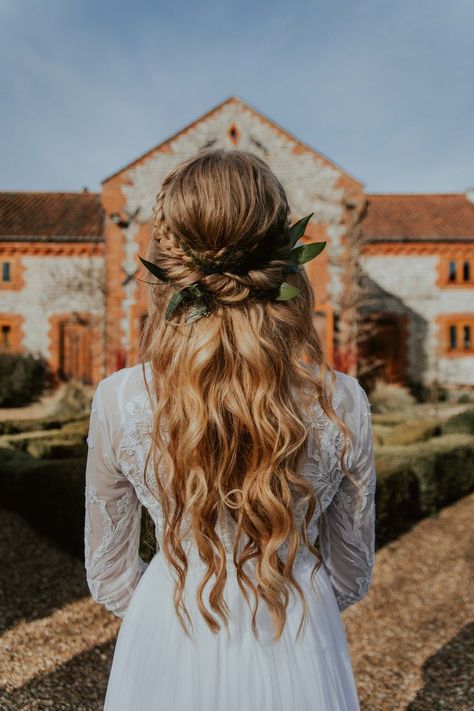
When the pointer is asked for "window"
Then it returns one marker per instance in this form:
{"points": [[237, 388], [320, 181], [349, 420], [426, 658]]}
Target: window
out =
{"points": [[453, 337], [467, 336], [452, 271], [6, 272], [456, 272], [466, 271], [6, 336], [459, 330], [233, 133]]}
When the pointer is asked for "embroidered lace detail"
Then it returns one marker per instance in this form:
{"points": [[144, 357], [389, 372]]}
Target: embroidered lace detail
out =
{"points": [[119, 440]]}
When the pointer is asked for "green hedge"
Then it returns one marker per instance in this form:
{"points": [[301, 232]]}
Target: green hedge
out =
{"points": [[49, 493], [462, 422], [417, 480], [53, 422], [55, 444], [413, 481]]}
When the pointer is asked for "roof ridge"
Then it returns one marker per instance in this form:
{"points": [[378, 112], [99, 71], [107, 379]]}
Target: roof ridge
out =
{"points": [[49, 192], [459, 194]]}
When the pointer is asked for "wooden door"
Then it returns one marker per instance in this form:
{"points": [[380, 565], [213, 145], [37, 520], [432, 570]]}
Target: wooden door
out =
{"points": [[75, 358], [386, 347]]}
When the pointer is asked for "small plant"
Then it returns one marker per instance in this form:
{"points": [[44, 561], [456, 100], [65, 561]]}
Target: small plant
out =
{"points": [[23, 378], [387, 398]]}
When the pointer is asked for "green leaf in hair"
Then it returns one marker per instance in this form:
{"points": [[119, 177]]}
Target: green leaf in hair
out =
{"points": [[173, 303], [287, 291], [197, 312], [305, 252], [298, 229], [154, 269]]}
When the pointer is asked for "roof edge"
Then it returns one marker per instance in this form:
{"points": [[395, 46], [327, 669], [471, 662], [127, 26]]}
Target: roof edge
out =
{"points": [[255, 112]]}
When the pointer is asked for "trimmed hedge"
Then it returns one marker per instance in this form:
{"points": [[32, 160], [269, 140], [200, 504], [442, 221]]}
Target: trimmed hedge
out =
{"points": [[413, 481], [462, 422], [49, 493], [53, 422], [417, 480], [412, 431], [55, 444]]}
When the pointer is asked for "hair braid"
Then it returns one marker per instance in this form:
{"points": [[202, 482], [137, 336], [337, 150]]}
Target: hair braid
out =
{"points": [[227, 285]]}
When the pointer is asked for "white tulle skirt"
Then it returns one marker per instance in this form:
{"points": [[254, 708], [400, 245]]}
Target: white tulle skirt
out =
{"points": [[156, 667]]}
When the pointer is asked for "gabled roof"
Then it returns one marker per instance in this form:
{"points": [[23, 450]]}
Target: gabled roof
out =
{"points": [[419, 217], [245, 106], [54, 217]]}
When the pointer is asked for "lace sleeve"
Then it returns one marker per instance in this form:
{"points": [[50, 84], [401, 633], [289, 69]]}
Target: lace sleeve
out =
{"points": [[347, 538], [112, 521]]}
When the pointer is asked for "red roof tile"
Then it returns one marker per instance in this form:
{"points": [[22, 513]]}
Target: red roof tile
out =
{"points": [[443, 217], [54, 217]]}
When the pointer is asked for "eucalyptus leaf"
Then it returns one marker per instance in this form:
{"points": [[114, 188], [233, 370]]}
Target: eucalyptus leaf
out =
{"points": [[154, 269], [194, 290], [287, 291], [173, 303], [303, 254], [197, 312], [298, 229]]}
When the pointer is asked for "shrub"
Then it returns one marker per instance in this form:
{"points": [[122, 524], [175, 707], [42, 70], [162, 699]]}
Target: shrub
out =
{"points": [[463, 422], [432, 392], [396, 503], [49, 493], [75, 401], [412, 431], [390, 398], [23, 378], [413, 481], [418, 479], [53, 444], [10, 427]]}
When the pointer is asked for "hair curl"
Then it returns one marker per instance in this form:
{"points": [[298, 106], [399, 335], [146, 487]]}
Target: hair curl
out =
{"points": [[231, 390]]}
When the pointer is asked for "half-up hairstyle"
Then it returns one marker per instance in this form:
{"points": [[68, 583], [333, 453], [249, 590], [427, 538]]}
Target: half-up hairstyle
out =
{"points": [[232, 388]]}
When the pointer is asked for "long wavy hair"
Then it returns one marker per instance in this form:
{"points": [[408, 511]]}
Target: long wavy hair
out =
{"points": [[231, 389]]}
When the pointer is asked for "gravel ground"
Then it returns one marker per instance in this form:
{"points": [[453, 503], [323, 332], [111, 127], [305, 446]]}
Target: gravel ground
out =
{"points": [[411, 638]]}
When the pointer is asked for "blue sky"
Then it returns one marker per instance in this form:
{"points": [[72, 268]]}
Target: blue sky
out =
{"points": [[383, 88]]}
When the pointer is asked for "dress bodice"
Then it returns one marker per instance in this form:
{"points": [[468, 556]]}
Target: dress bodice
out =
{"points": [[119, 439]]}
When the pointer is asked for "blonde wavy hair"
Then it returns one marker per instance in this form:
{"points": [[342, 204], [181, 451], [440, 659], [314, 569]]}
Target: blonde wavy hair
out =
{"points": [[232, 388]]}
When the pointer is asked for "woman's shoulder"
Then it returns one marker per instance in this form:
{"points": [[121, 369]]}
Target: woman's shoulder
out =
{"points": [[349, 395], [122, 385]]}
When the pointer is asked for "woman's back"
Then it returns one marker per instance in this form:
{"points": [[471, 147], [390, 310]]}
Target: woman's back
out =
{"points": [[252, 455], [120, 435]]}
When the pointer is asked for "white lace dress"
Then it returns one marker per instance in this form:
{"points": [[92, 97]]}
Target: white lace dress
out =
{"points": [[155, 665]]}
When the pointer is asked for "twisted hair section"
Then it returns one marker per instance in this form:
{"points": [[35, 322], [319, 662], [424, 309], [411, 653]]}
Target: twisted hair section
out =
{"points": [[234, 390]]}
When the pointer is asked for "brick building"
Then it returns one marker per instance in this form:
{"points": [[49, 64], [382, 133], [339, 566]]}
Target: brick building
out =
{"points": [[405, 262], [52, 264]]}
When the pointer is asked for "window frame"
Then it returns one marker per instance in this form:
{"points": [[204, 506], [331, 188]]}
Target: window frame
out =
{"points": [[8, 264], [461, 326], [452, 271]]}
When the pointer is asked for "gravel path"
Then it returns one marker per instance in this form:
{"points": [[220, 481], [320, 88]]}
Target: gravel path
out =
{"points": [[411, 638]]}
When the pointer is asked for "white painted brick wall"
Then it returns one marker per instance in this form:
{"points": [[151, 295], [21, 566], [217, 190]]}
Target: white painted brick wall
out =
{"points": [[52, 286], [409, 286], [310, 183]]}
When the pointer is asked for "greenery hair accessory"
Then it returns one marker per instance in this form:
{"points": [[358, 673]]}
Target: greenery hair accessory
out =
{"points": [[298, 256]]}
